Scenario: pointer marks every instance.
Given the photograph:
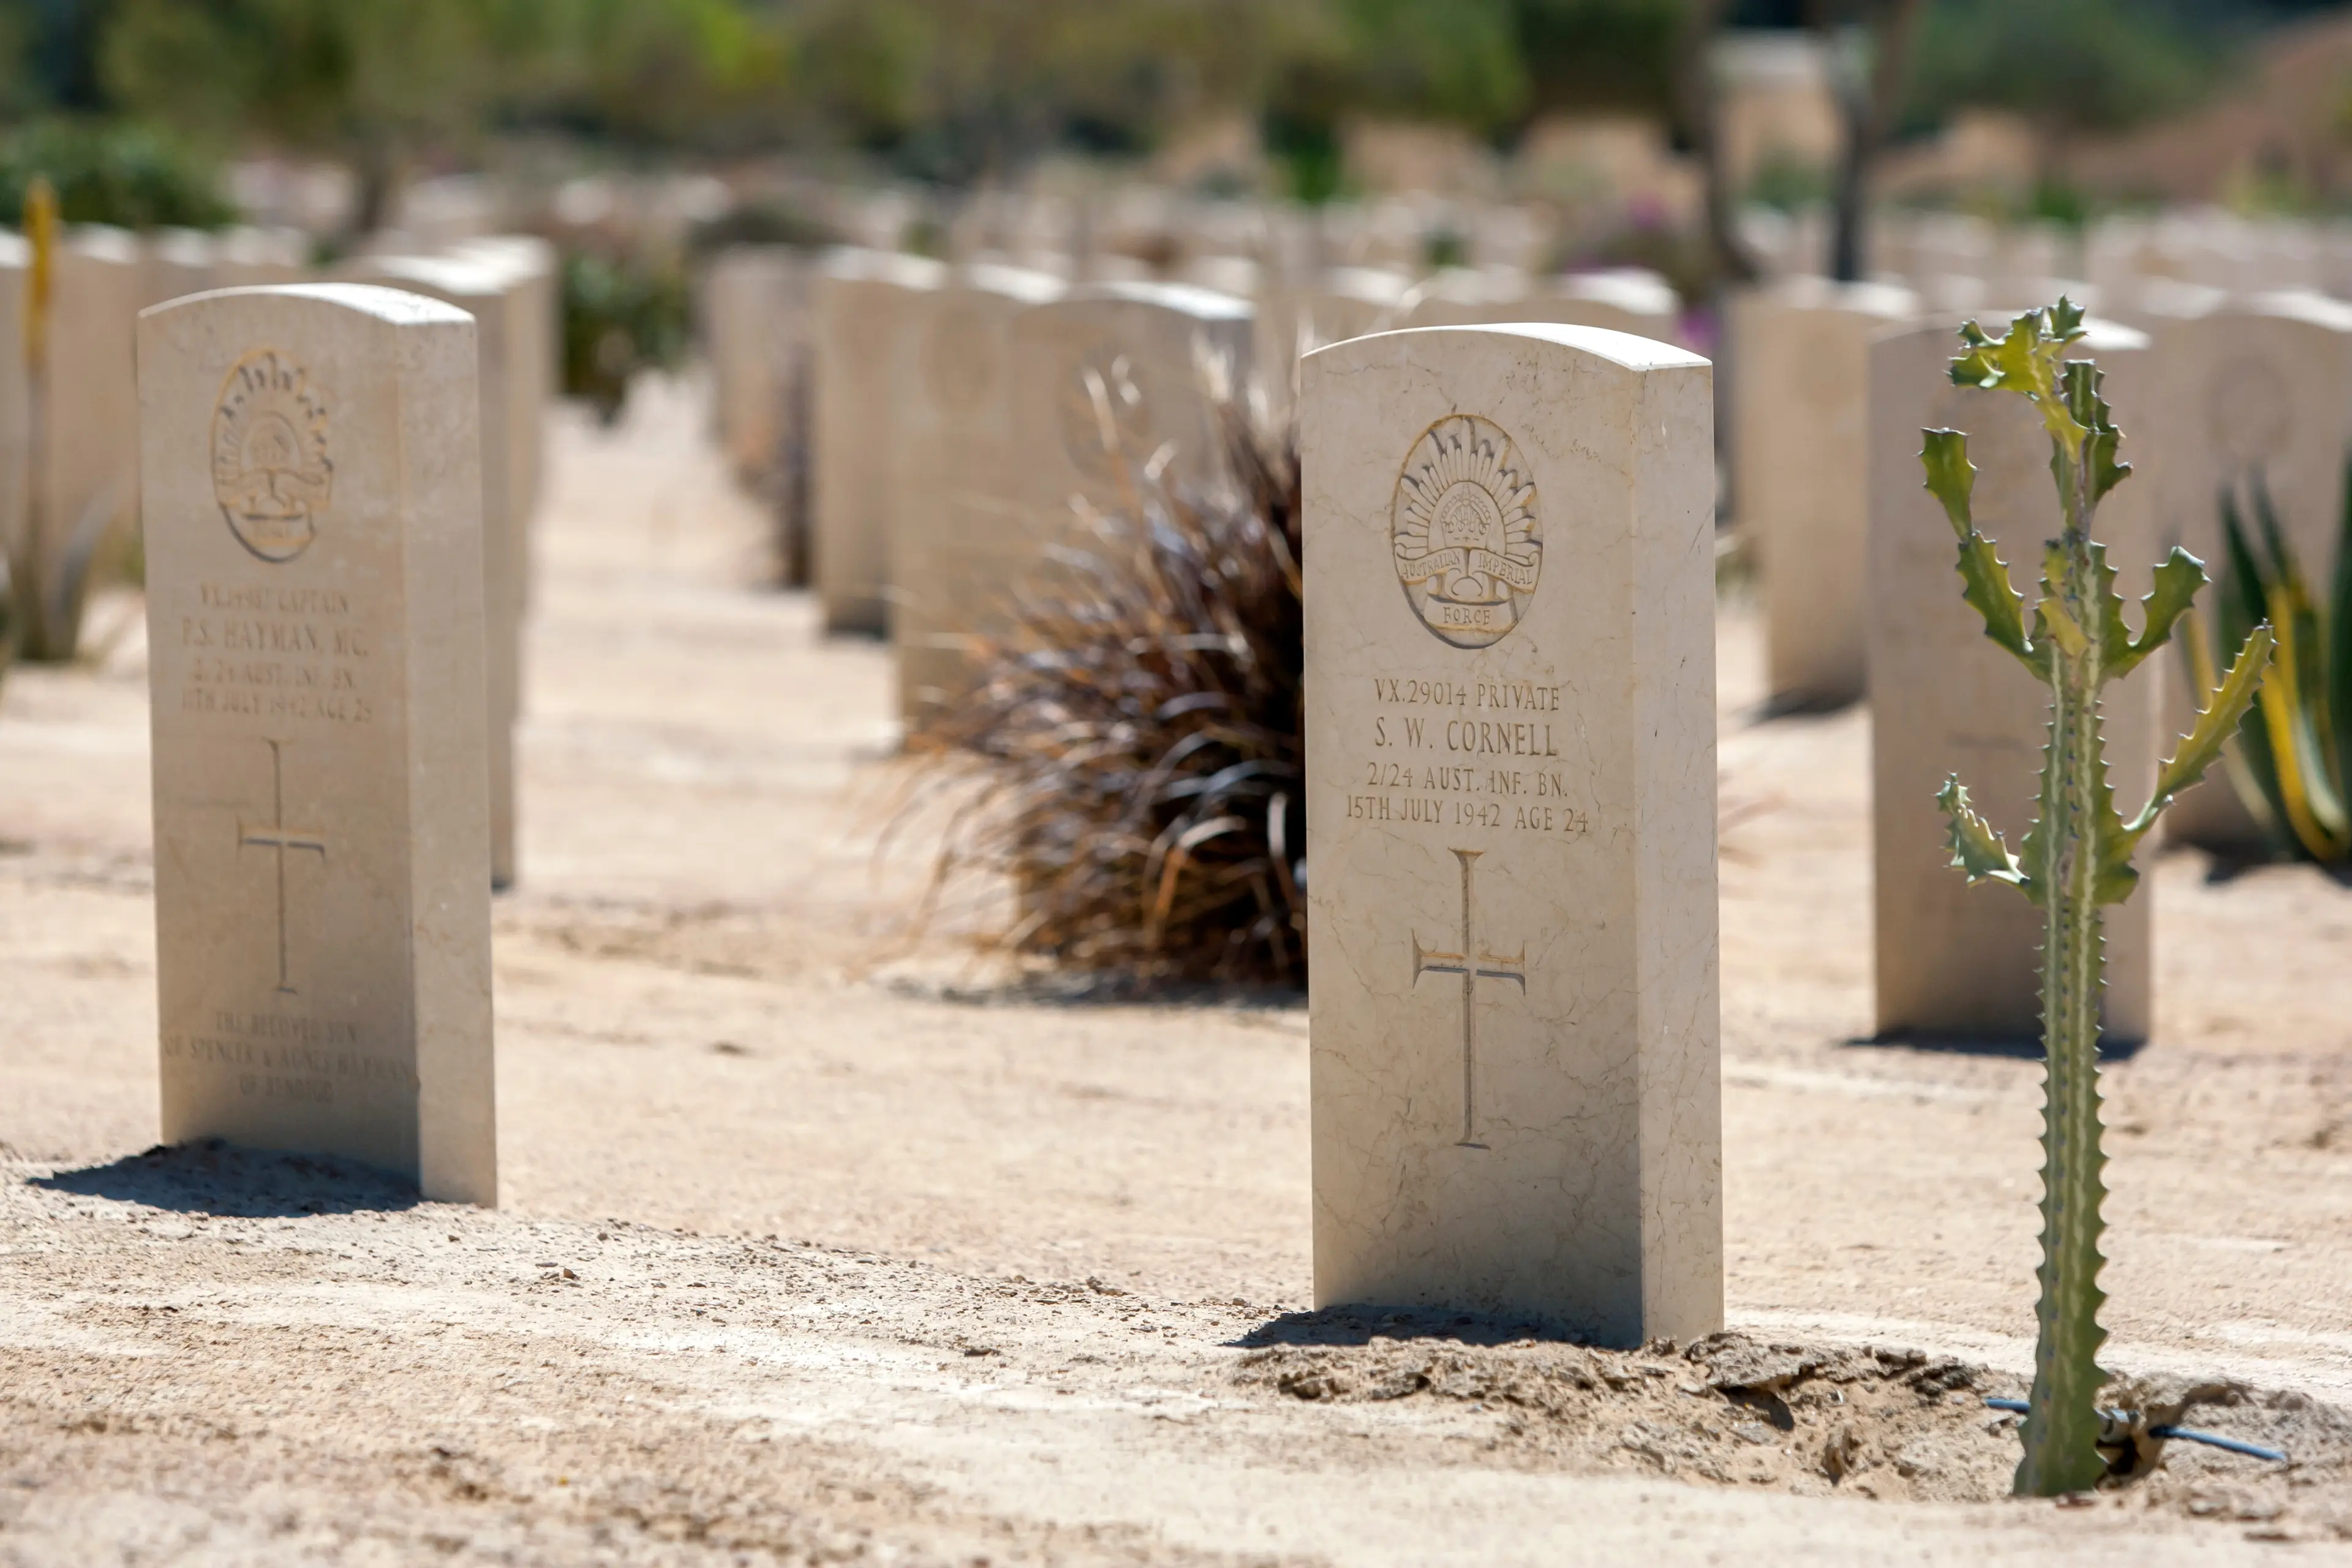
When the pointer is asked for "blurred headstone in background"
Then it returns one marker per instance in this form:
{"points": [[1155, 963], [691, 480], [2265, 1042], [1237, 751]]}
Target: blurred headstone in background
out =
{"points": [[498, 305], [1802, 462], [864, 305], [1951, 961], [958, 526]]}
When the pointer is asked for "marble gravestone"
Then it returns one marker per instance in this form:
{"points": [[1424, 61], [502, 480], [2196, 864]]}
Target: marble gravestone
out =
{"points": [[755, 305], [1801, 463], [1111, 379], [179, 262], [252, 258], [16, 263], [312, 469], [2260, 388], [88, 471], [863, 304], [530, 271], [1510, 738], [953, 524], [1953, 959], [483, 292]]}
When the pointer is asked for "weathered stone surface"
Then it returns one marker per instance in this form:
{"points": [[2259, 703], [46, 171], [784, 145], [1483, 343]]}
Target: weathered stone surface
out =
{"points": [[1510, 734], [1953, 959], [311, 458], [1801, 463], [866, 302]]}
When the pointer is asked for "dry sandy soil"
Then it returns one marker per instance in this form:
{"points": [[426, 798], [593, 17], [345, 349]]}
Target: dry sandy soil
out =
{"points": [[819, 1246]]}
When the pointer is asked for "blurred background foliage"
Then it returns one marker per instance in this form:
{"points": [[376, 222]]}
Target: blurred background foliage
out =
{"points": [[959, 90], [131, 105]]}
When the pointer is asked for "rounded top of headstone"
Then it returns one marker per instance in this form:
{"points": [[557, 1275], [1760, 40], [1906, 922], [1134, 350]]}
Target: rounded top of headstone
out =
{"points": [[1811, 292], [2306, 305], [183, 246], [104, 242], [1186, 299], [1025, 284], [396, 306], [1372, 285], [857, 264], [445, 274], [1634, 290], [1618, 348], [281, 247], [523, 252]]}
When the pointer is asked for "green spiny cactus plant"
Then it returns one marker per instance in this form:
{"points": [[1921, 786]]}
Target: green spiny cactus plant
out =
{"points": [[2077, 857]]}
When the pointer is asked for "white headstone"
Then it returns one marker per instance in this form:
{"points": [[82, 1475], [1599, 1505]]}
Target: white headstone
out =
{"points": [[865, 302], [1468, 296], [314, 614], [1510, 738], [16, 258], [482, 292], [1955, 960], [1801, 464], [180, 262], [1112, 377], [1623, 300], [959, 535], [89, 473], [533, 271], [257, 257], [2258, 388], [756, 318]]}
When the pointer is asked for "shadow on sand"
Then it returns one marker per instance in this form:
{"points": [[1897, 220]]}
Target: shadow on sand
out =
{"points": [[1362, 1325], [2017, 1047], [211, 1177]]}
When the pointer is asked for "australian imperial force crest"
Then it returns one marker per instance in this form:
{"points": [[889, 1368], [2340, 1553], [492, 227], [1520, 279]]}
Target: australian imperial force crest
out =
{"points": [[271, 472], [1468, 544]]}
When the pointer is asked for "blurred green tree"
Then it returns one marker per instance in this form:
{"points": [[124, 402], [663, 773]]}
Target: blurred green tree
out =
{"points": [[113, 171], [383, 84], [1457, 61], [1582, 57], [2068, 67], [376, 82], [967, 90]]}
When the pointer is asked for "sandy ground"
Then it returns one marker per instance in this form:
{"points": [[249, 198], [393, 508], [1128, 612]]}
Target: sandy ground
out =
{"points": [[816, 1248]]}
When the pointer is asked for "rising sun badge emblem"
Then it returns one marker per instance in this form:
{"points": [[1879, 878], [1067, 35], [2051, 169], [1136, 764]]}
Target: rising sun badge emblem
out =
{"points": [[1468, 543], [271, 469]]}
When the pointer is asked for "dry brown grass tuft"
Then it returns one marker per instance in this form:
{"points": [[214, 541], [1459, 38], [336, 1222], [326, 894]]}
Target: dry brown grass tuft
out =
{"points": [[1136, 727]]}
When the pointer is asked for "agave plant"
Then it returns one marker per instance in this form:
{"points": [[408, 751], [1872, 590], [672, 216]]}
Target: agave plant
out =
{"points": [[2291, 760], [2077, 857], [1137, 725]]}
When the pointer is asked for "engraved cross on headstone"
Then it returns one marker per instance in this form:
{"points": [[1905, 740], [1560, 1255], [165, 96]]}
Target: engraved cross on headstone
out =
{"points": [[280, 837], [1473, 964]]}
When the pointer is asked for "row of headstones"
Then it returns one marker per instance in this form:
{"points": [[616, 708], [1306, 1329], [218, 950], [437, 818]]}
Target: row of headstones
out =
{"points": [[1833, 386], [942, 419], [1958, 261], [1510, 699], [88, 471]]}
